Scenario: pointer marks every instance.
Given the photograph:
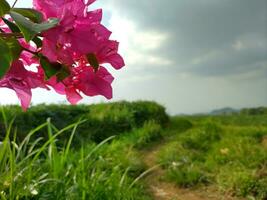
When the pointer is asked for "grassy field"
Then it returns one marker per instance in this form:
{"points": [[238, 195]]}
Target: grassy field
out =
{"points": [[125, 150], [219, 152]]}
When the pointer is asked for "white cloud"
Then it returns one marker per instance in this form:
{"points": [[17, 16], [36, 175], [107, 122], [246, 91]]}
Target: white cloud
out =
{"points": [[136, 45], [21, 3], [8, 97]]}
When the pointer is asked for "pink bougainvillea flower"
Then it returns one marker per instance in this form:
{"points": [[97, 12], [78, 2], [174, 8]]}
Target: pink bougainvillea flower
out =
{"points": [[74, 35], [77, 42], [84, 80], [79, 33], [22, 81], [96, 83], [58, 54]]}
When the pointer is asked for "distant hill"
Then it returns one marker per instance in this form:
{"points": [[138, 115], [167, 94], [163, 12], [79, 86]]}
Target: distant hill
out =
{"points": [[225, 111]]}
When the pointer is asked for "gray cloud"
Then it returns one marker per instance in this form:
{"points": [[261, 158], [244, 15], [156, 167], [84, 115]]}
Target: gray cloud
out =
{"points": [[206, 37]]}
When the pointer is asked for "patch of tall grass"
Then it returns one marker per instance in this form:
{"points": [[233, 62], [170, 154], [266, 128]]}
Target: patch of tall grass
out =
{"points": [[43, 170], [143, 137]]}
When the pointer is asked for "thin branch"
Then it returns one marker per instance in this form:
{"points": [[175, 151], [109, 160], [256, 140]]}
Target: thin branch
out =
{"points": [[6, 35], [14, 3], [32, 52]]}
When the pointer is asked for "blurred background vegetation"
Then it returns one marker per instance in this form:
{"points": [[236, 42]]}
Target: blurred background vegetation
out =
{"points": [[100, 151]]}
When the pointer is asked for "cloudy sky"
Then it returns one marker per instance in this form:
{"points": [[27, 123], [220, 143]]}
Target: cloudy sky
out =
{"points": [[189, 55]]}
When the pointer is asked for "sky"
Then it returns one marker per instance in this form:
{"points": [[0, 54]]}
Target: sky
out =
{"points": [[190, 56]]}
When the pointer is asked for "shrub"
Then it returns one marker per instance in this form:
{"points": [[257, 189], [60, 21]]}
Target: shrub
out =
{"points": [[143, 137], [186, 175], [202, 138], [183, 166], [254, 111], [179, 125], [102, 120]]}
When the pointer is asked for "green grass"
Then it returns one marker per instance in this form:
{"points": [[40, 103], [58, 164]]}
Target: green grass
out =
{"points": [[221, 152], [36, 170], [95, 152], [144, 137]]}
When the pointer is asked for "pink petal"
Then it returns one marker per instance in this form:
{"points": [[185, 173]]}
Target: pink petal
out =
{"points": [[49, 50], [57, 86], [23, 92], [72, 95], [86, 39], [48, 7], [116, 61], [91, 17], [108, 53], [95, 83], [104, 74]]}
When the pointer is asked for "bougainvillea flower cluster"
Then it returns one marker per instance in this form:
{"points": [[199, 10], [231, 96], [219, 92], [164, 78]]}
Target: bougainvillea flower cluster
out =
{"points": [[70, 57]]}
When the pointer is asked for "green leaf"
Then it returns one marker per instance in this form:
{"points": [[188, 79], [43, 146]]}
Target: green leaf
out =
{"points": [[14, 47], [50, 23], [30, 29], [13, 27], [5, 58], [63, 73], [25, 25], [50, 69], [4, 7], [32, 14], [92, 59]]}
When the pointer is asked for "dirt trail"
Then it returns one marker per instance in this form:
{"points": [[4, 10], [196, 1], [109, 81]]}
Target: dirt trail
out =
{"points": [[162, 190]]}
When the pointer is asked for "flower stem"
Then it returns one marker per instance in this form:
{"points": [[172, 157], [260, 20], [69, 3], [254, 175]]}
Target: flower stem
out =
{"points": [[14, 3], [32, 52]]}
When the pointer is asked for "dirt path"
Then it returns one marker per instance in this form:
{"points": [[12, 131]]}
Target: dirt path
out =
{"points": [[162, 190]]}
